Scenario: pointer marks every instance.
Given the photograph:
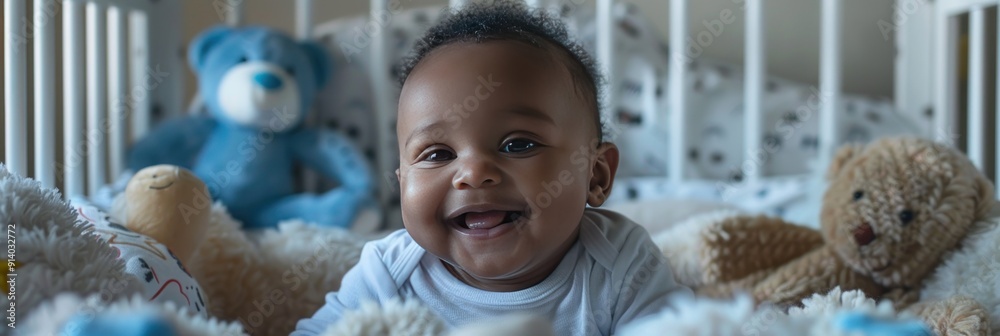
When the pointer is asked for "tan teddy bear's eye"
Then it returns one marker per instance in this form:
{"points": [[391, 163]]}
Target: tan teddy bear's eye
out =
{"points": [[858, 195], [906, 216]]}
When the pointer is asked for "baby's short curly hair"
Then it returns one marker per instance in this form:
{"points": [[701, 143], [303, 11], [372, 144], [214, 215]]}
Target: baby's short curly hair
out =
{"points": [[514, 21]]}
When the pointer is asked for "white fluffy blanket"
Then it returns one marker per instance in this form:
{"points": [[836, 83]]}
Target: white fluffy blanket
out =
{"points": [[972, 271], [52, 253]]}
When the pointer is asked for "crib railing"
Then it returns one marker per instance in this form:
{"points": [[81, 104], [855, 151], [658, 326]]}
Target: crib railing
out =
{"points": [[108, 75], [981, 144], [755, 71], [949, 115]]}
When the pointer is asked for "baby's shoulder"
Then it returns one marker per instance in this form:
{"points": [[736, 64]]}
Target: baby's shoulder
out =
{"points": [[613, 228], [395, 250], [614, 240]]}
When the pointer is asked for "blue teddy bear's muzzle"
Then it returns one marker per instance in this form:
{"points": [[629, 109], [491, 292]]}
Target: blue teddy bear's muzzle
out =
{"points": [[268, 80]]}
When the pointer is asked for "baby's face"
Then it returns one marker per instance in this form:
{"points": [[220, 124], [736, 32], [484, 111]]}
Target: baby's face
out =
{"points": [[497, 155]]}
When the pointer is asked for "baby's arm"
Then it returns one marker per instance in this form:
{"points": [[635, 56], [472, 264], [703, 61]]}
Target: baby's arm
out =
{"points": [[369, 280], [649, 285]]}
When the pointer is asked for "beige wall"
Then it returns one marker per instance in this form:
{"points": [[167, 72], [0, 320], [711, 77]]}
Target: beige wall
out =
{"points": [[792, 38]]}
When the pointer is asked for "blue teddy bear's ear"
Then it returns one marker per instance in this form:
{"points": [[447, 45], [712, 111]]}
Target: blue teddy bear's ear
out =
{"points": [[320, 60], [204, 42]]}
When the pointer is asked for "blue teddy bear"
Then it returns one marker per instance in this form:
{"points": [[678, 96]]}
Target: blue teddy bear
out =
{"points": [[258, 85]]}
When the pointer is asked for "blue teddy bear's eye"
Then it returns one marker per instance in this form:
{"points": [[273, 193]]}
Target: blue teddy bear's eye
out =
{"points": [[290, 70], [242, 60]]}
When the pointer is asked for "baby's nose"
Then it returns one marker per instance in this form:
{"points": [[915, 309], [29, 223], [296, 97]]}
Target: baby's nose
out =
{"points": [[476, 173]]}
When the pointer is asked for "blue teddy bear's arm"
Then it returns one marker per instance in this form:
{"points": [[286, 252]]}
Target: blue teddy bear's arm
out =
{"points": [[176, 141], [335, 157]]}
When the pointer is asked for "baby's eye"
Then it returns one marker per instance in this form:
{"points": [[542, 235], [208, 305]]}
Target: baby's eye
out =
{"points": [[518, 146], [439, 155]]}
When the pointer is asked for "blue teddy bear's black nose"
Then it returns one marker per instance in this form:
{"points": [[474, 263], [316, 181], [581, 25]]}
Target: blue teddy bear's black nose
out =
{"points": [[267, 80]]}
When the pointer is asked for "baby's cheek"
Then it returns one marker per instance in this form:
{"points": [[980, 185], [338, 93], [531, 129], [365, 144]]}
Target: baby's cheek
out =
{"points": [[420, 192], [422, 180], [567, 179], [573, 188]]}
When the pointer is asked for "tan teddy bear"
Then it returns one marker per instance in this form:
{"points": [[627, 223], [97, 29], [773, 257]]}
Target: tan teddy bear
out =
{"points": [[892, 210]]}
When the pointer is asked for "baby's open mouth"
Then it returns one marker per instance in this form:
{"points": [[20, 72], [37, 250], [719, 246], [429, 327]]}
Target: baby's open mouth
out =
{"points": [[486, 220]]}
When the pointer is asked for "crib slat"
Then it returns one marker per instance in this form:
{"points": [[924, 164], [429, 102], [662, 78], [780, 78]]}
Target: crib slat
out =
{"points": [[605, 57], [44, 89], [234, 16], [384, 103], [904, 60], [754, 88], [303, 29], [829, 79], [649, 108], [117, 84], [977, 65], [96, 96], [678, 90], [996, 113], [303, 18], [15, 82], [74, 148], [139, 46], [944, 75]]}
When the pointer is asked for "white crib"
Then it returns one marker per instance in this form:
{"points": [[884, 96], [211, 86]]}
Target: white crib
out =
{"points": [[121, 84]]}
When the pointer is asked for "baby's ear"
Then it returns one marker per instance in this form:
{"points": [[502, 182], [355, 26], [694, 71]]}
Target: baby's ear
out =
{"points": [[603, 174]]}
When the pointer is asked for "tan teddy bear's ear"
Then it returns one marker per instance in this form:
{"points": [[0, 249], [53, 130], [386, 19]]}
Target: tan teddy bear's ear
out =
{"points": [[840, 159]]}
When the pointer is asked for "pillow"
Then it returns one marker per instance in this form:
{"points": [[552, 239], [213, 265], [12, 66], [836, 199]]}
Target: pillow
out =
{"points": [[659, 215]]}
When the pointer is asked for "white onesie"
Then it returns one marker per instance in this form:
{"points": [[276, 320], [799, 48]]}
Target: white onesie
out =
{"points": [[613, 275]]}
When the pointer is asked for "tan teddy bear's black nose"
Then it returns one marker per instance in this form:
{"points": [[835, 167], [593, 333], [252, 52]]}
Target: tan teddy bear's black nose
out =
{"points": [[863, 234]]}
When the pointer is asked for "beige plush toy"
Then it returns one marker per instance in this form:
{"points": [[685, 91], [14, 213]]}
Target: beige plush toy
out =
{"points": [[169, 204], [892, 211]]}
